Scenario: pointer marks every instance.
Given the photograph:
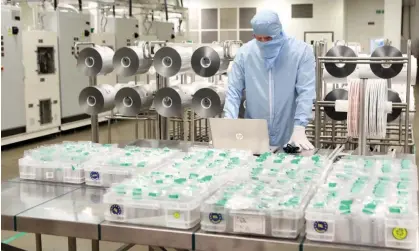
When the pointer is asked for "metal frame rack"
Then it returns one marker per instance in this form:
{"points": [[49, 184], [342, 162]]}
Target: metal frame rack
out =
{"points": [[323, 126]]}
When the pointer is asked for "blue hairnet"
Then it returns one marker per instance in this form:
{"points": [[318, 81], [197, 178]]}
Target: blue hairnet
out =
{"points": [[266, 23]]}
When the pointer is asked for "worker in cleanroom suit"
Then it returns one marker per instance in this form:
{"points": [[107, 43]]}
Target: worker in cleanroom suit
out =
{"points": [[278, 74]]}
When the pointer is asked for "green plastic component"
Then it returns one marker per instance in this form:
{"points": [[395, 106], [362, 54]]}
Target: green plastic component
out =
{"points": [[151, 194], [142, 164], [180, 180], [125, 164], [405, 164], [319, 205], [366, 211], [278, 161], [295, 161], [222, 155], [206, 178], [193, 175], [137, 192], [332, 184], [394, 210], [402, 185], [221, 202], [174, 196], [159, 181]]}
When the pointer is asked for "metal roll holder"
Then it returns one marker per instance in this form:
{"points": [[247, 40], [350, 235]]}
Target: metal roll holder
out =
{"points": [[377, 60], [92, 82]]}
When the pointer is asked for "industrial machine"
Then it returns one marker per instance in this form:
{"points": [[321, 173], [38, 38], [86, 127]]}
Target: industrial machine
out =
{"points": [[30, 80], [42, 91], [126, 33], [70, 27], [12, 108]]}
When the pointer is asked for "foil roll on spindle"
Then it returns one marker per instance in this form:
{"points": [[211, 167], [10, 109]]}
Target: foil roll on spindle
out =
{"points": [[209, 60], [97, 99], [171, 60], [96, 60], [171, 101], [130, 101], [386, 71], [209, 102], [340, 70], [130, 61]]}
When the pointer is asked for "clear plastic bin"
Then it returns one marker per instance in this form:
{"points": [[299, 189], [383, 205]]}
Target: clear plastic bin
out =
{"points": [[61, 162], [123, 164], [270, 200], [171, 195], [368, 203]]}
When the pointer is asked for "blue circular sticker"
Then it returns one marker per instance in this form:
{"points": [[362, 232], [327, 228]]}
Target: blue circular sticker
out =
{"points": [[94, 175], [320, 226], [116, 209], [215, 218]]}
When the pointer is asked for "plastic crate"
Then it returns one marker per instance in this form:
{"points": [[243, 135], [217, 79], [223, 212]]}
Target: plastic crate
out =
{"points": [[123, 164], [361, 204], [171, 195], [270, 201], [59, 163]]}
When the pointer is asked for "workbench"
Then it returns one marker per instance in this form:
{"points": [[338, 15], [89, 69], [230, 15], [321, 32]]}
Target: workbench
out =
{"points": [[77, 211]]}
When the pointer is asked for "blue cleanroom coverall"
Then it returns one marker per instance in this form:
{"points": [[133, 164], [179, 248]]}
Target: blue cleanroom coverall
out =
{"points": [[278, 77]]}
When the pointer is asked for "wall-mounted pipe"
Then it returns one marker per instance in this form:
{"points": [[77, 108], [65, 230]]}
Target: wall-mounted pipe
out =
{"points": [[80, 5], [130, 7], [55, 4], [113, 10]]}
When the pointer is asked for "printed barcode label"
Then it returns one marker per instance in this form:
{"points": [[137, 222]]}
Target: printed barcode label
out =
{"points": [[49, 175], [249, 224]]}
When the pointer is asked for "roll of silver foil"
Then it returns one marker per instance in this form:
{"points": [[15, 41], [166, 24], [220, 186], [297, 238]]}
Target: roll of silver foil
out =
{"points": [[129, 61], [209, 60], [171, 60], [209, 102], [96, 99], [129, 101], [171, 101], [96, 60]]}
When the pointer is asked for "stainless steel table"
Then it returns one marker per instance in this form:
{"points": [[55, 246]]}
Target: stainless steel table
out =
{"points": [[219, 242], [152, 236], [321, 246], [75, 214], [17, 198], [76, 211]]}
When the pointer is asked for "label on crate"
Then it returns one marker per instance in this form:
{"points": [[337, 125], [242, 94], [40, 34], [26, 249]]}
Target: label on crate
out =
{"points": [[215, 218], [399, 233], [251, 224], [49, 175], [95, 177], [117, 211], [320, 226]]}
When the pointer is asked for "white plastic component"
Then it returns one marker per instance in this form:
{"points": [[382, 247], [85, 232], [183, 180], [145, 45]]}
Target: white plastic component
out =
{"points": [[342, 106]]}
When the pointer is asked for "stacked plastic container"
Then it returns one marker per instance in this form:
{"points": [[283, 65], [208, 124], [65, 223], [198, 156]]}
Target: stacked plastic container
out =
{"points": [[368, 201], [121, 164], [270, 201], [60, 162], [171, 195]]}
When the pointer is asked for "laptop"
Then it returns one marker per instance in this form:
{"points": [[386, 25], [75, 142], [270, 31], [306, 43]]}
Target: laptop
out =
{"points": [[241, 134]]}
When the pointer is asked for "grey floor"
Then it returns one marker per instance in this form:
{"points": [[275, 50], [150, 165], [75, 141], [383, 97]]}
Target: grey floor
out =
{"points": [[121, 132]]}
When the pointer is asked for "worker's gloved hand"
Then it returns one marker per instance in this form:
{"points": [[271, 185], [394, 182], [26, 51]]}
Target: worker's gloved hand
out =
{"points": [[299, 139]]}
